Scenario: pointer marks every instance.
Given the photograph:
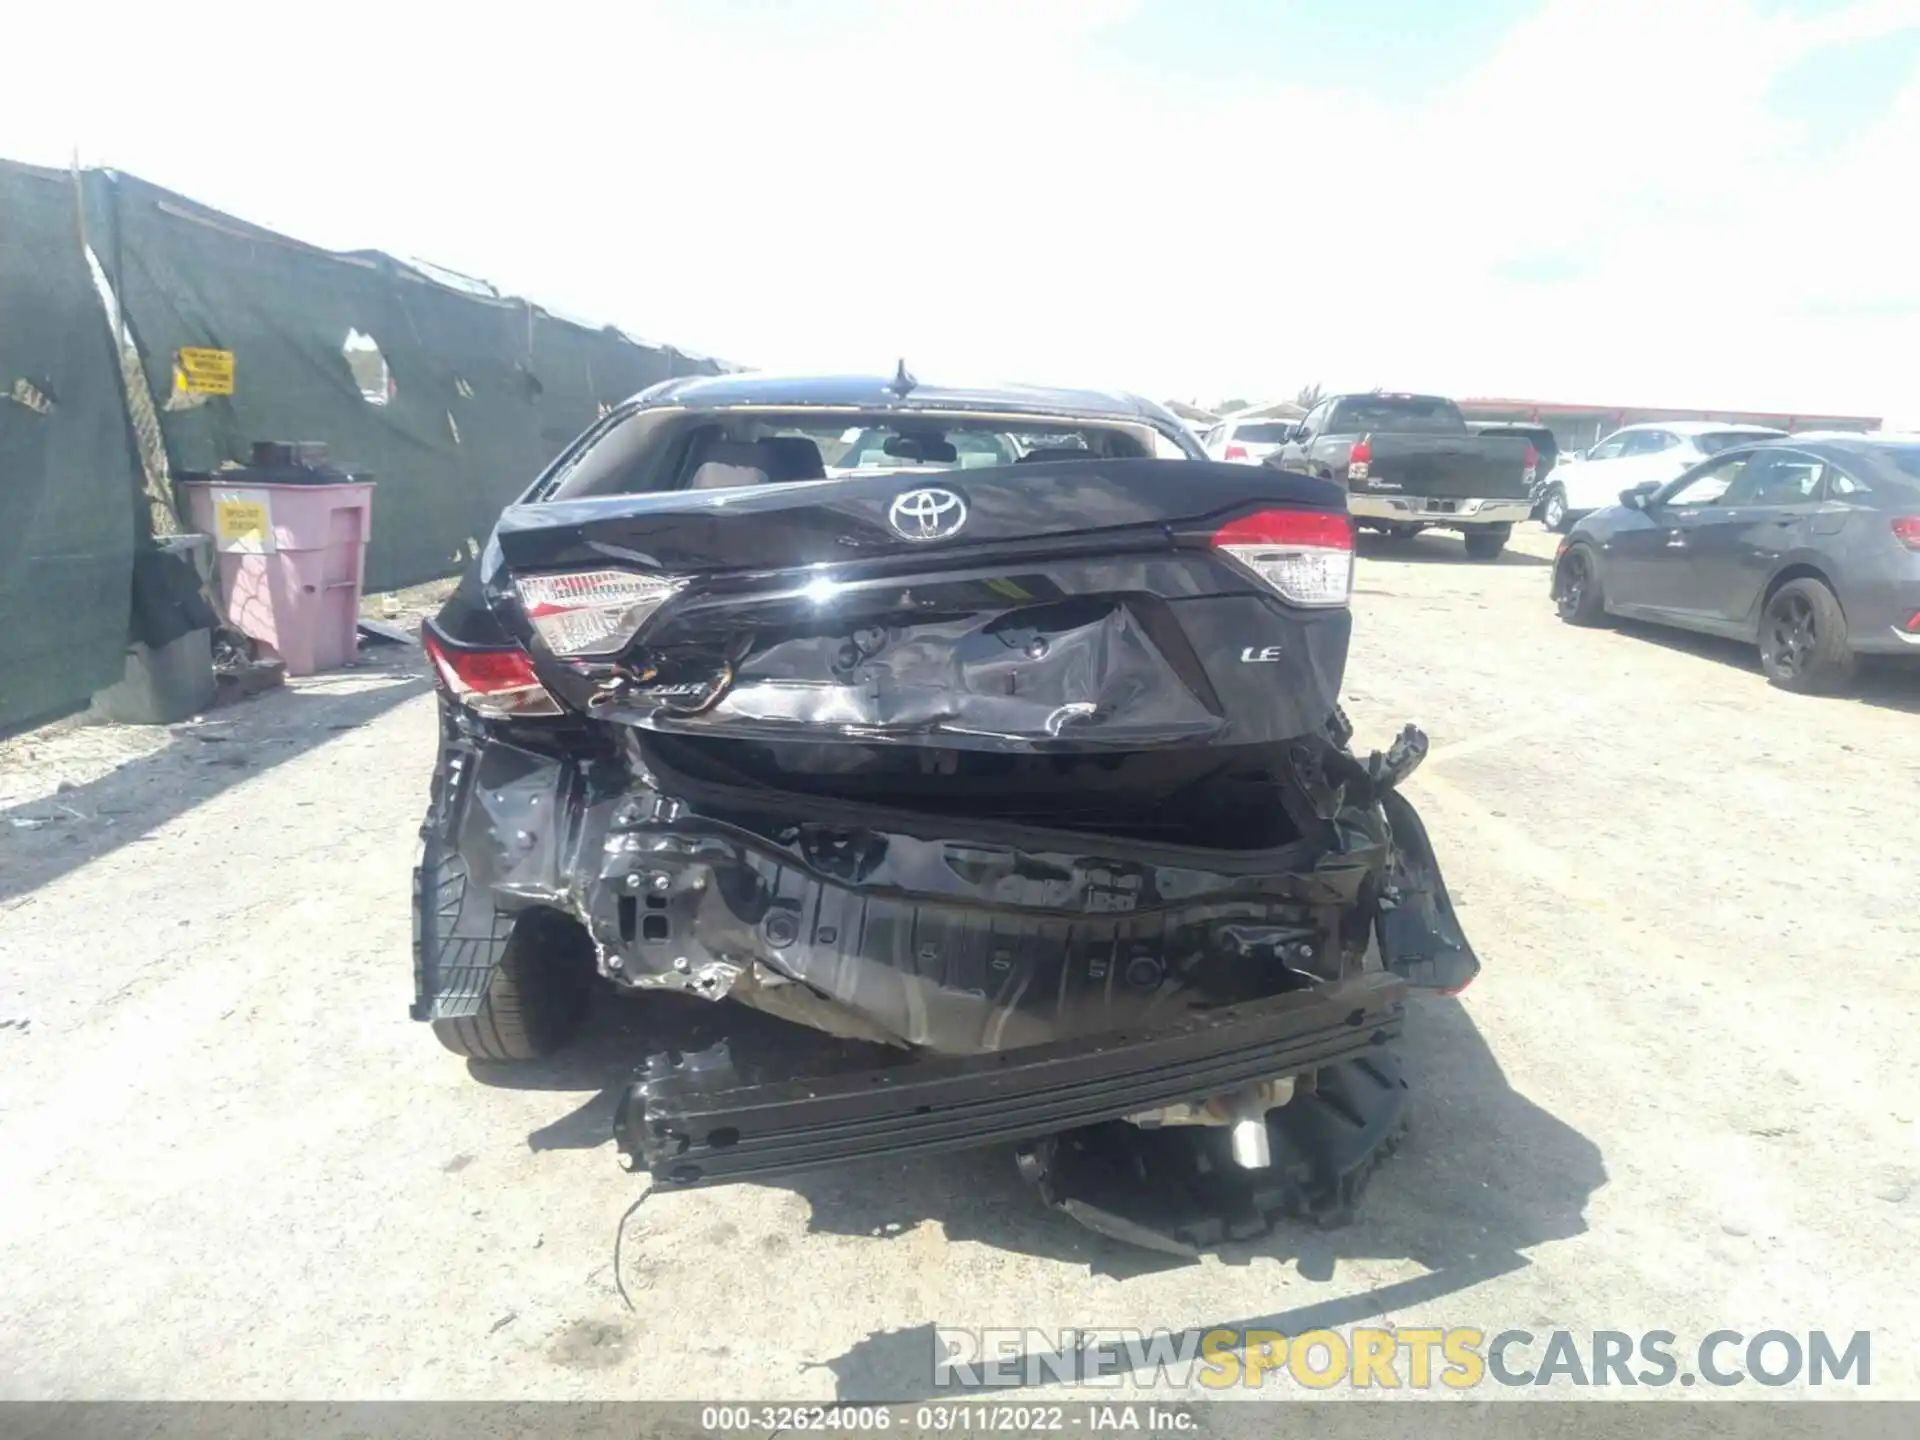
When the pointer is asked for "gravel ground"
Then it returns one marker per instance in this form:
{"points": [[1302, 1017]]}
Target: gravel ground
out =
{"points": [[1682, 1095]]}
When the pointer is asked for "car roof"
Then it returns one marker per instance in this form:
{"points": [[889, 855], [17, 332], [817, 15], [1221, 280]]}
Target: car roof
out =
{"points": [[1846, 438], [1703, 427], [875, 392], [1841, 442]]}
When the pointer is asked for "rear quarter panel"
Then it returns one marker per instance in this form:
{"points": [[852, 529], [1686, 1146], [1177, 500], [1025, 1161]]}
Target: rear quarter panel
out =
{"points": [[1877, 580]]}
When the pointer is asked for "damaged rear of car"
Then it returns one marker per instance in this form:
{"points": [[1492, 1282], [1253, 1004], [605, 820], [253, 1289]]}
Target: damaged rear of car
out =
{"points": [[994, 737]]}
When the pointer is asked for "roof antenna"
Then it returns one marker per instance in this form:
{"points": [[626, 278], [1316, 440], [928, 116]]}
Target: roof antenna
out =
{"points": [[903, 382]]}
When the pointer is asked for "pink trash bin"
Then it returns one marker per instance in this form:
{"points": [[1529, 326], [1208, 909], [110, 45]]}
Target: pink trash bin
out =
{"points": [[291, 560]]}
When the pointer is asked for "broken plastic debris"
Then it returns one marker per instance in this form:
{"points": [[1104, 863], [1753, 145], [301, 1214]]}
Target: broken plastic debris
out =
{"points": [[36, 399]]}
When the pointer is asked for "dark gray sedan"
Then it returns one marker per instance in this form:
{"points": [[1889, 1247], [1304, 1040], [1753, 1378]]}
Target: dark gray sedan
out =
{"points": [[1808, 547]]}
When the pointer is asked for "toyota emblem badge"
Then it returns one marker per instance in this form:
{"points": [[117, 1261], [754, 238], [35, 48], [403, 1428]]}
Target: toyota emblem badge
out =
{"points": [[927, 514]]}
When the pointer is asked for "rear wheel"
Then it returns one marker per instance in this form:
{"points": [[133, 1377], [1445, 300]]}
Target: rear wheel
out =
{"points": [[1486, 544], [1576, 588], [1553, 509], [536, 996], [1803, 639]]}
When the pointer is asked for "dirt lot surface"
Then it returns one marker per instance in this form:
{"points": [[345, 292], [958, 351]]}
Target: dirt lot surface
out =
{"points": [[1682, 1096]]}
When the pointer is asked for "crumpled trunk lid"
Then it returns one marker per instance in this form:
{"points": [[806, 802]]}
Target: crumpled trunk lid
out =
{"points": [[1079, 605]]}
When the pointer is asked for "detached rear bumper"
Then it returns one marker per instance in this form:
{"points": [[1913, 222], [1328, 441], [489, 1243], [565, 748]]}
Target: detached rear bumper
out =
{"points": [[1431, 510], [694, 1124]]}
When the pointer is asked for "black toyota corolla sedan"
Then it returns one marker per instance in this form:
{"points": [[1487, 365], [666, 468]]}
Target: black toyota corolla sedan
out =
{"points": [[1807, 546]]}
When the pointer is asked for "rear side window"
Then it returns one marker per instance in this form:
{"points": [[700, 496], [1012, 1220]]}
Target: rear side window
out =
{"points": [[1415, 414], [1842, 486], [1265, 432]]}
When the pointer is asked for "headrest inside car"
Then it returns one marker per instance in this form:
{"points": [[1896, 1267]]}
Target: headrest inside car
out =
{"points": [[776, 460]]}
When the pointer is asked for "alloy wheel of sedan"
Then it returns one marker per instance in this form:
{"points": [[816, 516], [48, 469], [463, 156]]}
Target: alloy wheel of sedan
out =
{"points": [[1576, 574], [1792, 633], [1803, 639]]}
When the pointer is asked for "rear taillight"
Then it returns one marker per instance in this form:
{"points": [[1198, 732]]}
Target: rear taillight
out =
{"points": [[1305, 555], [1236, 452], [1906, 529], [591, 612], [1532, 464], [498, 683], [1360, 458]]}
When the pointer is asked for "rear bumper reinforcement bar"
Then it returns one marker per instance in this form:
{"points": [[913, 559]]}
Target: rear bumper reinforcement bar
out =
{"points": [[686, 1125]]}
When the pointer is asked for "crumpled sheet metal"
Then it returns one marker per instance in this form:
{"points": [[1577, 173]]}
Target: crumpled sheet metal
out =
{"points": [[954, 945], [1075, 671]]}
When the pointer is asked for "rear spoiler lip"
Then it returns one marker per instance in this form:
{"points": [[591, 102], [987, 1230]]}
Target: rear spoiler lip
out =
{"points": [[843, 521]]}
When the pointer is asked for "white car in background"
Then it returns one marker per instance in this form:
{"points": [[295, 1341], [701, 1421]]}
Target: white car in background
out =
{"points": [[1632, 455], [1246, 441]]}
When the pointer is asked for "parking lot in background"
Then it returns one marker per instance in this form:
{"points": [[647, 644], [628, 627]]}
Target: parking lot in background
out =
{"points": [[1681, 1096]]}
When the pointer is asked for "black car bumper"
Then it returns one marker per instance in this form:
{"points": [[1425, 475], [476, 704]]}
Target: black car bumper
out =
{"points": [[692, 1123], [927, 933]]}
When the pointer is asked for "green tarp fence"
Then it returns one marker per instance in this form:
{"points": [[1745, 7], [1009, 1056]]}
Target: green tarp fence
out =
{"points": [[449, 395], [69, 479], [452, 398]]}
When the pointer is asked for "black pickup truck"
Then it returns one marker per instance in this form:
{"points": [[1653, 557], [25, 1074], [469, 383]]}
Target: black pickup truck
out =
{"points": [[1411, 463]]}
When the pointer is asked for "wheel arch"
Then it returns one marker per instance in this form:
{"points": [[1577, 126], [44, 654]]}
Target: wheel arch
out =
{"points": [[1793, 570]]}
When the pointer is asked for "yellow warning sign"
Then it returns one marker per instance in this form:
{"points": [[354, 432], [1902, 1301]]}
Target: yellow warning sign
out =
{"points": [[203, 372], [244, 525]]}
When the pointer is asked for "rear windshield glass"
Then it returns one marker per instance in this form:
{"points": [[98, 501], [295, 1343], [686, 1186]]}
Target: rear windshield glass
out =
{"points": [[1266, 433], [950, 444], [1418, 414], [651, 451], [1540, 439], [1720, 440]]}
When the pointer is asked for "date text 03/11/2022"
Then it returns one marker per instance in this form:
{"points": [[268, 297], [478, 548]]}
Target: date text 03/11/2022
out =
{"points": [[961, 1417]]}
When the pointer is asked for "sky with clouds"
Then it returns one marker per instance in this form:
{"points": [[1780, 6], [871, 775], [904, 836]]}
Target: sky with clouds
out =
{"points": [[1642, 202]]}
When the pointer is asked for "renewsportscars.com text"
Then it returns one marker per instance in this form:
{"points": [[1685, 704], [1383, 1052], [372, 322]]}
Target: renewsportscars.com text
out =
{"points": [[1460, 1358]]}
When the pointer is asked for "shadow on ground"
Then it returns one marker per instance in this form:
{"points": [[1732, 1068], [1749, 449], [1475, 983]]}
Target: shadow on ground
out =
{"points": [[1485, 1176], [1437, 547], [41, 840], [1888, 684]]}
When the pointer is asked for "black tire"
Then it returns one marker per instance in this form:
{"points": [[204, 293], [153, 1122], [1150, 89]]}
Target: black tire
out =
{"points": [[1553, 509], [1486, 544], [537, 995], [1803, 639], [1577, 593]]}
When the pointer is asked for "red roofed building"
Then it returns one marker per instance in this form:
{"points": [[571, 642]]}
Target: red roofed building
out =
{"points": [[1578, 426]]}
